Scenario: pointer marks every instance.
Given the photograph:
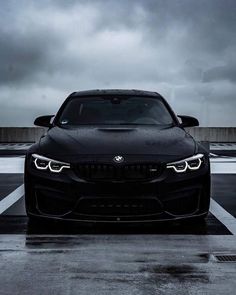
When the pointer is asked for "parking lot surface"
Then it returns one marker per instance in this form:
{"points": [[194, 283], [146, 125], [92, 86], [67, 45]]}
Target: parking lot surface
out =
{"points": [[161, 258]]}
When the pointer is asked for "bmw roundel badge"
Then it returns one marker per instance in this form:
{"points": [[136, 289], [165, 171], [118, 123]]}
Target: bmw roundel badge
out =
{"points": [[118, 159]]}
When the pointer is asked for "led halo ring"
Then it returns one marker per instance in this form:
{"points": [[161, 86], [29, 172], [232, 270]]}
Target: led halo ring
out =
{"points": [[38, 167], [50, 161], [187, 166], [53, 170], [197, 167], [179, 170]]}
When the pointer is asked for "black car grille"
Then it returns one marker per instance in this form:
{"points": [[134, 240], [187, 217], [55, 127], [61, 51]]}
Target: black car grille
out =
{"points": [[118, 172], [118, 206]]}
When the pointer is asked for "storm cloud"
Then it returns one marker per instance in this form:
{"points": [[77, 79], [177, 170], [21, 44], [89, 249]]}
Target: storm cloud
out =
{"points": [[183, 49]]}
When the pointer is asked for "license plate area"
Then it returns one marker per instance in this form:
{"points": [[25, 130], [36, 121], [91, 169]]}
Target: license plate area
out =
{"points": [[118, 206]]}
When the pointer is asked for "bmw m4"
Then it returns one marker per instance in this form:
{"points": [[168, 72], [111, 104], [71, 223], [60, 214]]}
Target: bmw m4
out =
{"points": [[117, 156]]}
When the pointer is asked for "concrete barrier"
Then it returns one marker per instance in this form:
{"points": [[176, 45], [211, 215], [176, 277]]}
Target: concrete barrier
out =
{"points": [[20, 134], [213, 134], [32, 134]]}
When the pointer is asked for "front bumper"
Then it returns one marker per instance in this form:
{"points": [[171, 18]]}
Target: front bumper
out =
{"points": [[171, 196]]}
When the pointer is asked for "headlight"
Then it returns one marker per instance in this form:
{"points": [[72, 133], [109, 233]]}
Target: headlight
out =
{"points": [[192, 163], [43, 163]]}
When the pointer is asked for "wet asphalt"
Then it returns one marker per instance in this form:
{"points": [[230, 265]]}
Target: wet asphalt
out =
{"points": [[116, 264], [161, 258]]}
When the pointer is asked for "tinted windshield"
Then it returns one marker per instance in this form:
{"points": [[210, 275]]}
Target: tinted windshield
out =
{"points": [[115, 111]]}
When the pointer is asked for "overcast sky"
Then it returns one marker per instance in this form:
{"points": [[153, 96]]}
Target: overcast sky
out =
{"points": [[183, 49]]}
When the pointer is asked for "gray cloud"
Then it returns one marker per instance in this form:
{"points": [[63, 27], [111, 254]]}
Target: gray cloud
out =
{"points": [[183, 49], [225, 72]]}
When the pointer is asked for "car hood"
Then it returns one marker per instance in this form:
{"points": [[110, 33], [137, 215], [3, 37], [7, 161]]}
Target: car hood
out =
{"points": [[170, 143]]}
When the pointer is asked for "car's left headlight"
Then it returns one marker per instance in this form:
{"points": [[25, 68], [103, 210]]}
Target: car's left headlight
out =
{"points": [[191, 163], [44, 163]]}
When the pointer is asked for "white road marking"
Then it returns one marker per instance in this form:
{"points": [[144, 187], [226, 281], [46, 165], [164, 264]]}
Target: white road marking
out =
{"points": [[12, 165], [223, 216], [223, 166], [12, 198]]}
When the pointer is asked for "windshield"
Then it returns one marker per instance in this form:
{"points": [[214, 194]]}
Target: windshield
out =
{"points": [[115, 111]]}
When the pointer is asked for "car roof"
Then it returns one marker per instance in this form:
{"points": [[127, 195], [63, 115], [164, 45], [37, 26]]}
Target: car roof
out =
{"points": [[112, 92]]}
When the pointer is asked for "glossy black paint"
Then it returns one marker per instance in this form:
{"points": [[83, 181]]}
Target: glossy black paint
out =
{"points": [[170, 143], [188, 121], [65, 195], [43, 121]]}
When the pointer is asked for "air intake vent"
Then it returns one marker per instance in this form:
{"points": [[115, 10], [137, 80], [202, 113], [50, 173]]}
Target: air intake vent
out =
{"points": [[225, 258]]}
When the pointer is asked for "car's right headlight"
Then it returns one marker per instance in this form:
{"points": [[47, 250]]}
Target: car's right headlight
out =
{"points": [[44, 163], [191, 163]]}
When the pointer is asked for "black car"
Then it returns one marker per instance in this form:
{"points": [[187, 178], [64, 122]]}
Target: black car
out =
{"points": [[117, 156]]}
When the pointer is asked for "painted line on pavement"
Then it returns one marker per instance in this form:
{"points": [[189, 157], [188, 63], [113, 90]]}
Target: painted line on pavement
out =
{"points": [[12, 165], [12, 198], [223, 216], [223, 168]]}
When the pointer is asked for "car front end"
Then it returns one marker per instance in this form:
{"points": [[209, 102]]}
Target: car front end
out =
{"points": [[116, 156], [99, 189]]}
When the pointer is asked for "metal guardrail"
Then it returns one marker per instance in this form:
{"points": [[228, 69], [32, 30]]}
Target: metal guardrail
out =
{"points": [[32, 134]]}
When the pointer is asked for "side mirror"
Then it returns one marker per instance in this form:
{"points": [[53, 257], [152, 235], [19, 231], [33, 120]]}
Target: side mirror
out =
{"points": [[188, 121], [43, 121]]}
